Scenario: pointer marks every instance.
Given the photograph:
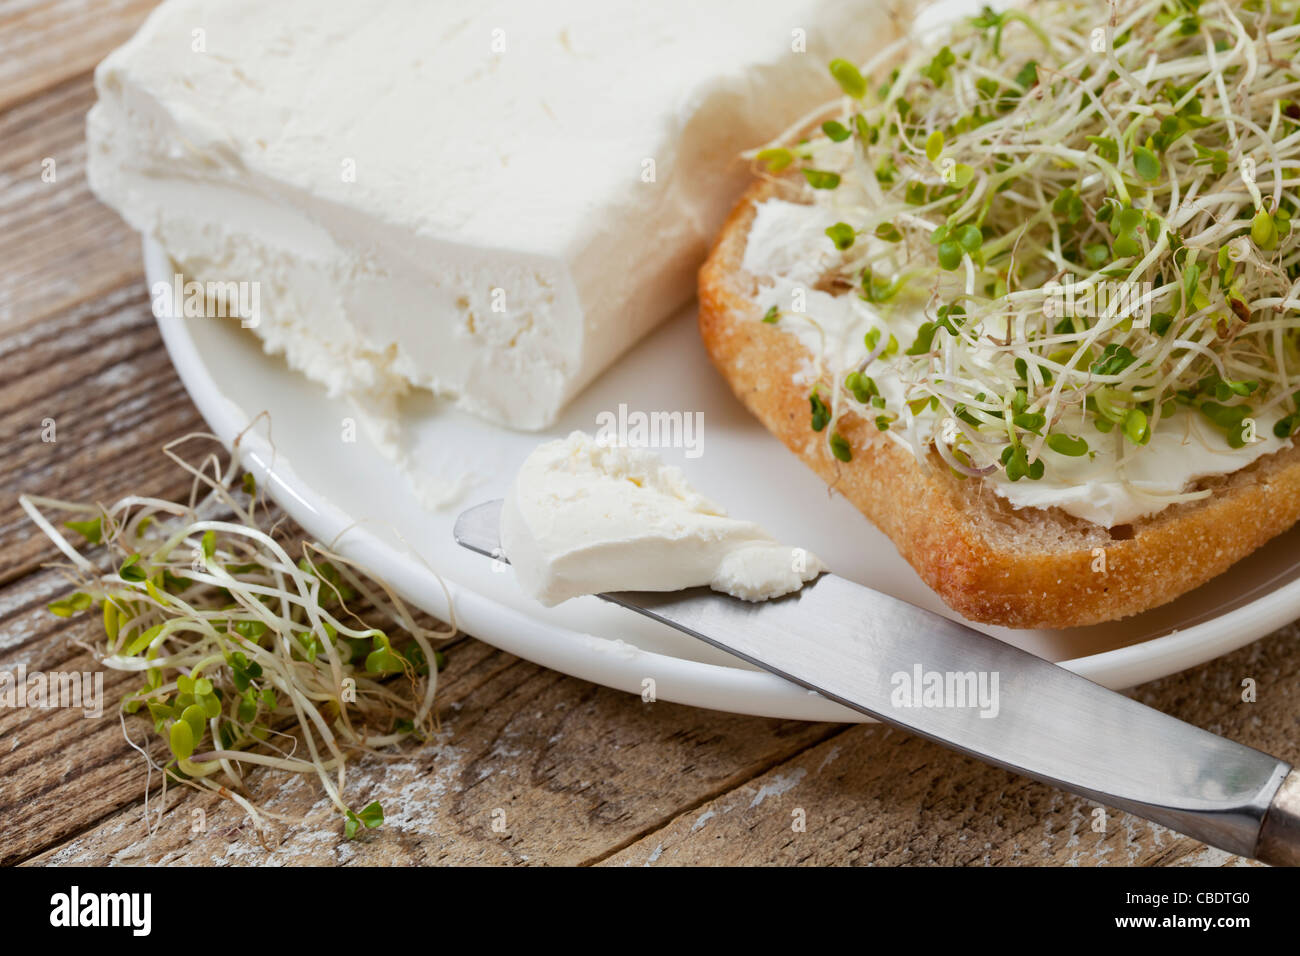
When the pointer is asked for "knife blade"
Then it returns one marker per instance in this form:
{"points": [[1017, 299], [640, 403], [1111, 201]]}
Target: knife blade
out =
{"points": [[917, 670]]}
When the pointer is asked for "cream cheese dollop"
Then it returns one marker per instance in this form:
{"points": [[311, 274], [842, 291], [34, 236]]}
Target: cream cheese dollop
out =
{"points": [[584, 517]]}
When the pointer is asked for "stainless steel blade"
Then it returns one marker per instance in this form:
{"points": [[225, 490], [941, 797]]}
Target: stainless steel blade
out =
{"points": [[864, 649]]}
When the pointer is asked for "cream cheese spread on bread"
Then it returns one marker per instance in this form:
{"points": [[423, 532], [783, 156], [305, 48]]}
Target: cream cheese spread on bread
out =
{"points": [[585, 517], [788, 247], [491, 201]]}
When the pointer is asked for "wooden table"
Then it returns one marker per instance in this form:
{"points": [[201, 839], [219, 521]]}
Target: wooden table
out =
{"points": [[582, 774]]}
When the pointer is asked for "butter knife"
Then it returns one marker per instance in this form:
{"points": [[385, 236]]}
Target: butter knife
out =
{"points": [[926, 674]]}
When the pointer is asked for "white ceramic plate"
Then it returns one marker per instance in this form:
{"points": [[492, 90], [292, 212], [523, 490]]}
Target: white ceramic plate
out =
{"points": [[335, 487]]}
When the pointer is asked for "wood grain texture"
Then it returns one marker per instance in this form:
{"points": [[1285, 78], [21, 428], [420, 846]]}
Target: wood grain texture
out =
{"points": [[531, 767], [574, 773], [876, 795], [59, 247], [43, 42], [96, 381]]}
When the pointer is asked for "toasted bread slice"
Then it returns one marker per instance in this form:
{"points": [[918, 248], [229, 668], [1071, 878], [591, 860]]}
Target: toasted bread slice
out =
{"points": [[1027, 567]]}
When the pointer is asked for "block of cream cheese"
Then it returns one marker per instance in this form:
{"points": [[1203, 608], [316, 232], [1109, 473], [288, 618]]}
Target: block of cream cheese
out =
{"points": [[584, 517], [492, 200]]}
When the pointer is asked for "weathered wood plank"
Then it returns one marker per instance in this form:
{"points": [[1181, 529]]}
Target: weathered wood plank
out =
{"points": [[879, 796], [98, 382], [62, 770], [43, 42], [59, 246], [571, 771]]}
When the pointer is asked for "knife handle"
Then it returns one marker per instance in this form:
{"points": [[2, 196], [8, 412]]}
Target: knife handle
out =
{"points": [[1279, 834]]}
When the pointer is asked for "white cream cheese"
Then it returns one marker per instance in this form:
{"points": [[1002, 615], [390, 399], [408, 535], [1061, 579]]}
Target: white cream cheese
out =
{"points": [[787, 244], [491, 201], [584, 517]]}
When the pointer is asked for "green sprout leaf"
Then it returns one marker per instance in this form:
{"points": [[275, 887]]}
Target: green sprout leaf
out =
{"points": [[835, 131], [924, 339], [1015, 461], [130, 570], [1114, 360], [382, 659], [821, 415], [91, 529], [372, 815], [181, 740], [1147, 164], [1224, 390], [775, 159], [821, 179], [872, 339], [842, 235], [1263, 231], [937, 70], [860, 386], [1136, 427], [950, 254], [1067, 445], [1230, 418], [1030, 421], [69, 606], [1028, 75], [143, 640], [849, 78], [934, 146], [969, 238]]}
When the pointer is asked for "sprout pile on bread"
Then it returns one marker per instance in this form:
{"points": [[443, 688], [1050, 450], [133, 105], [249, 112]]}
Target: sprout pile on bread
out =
{"points": [[1029, 295]]}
